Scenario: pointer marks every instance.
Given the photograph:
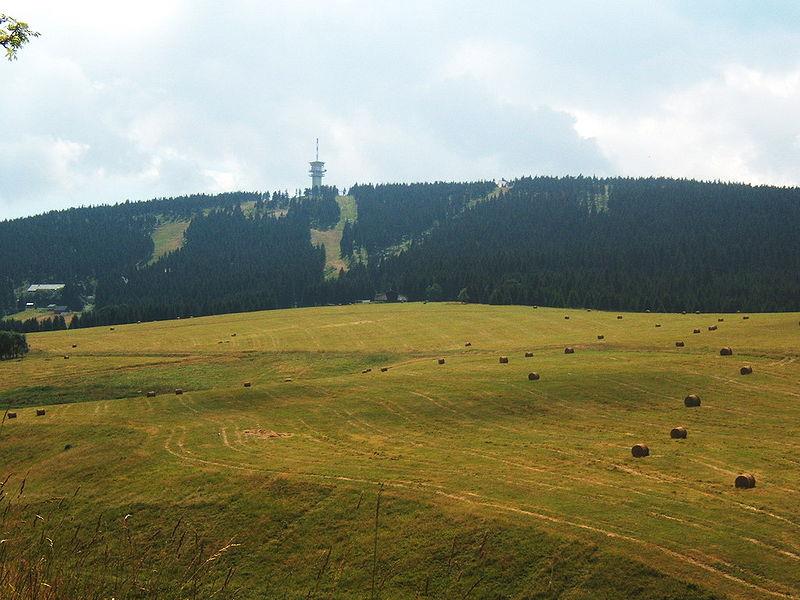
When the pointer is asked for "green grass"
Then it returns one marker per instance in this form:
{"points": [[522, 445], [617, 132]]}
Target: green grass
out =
{"points": [[167, 237], [331, 239], [492, 486]]}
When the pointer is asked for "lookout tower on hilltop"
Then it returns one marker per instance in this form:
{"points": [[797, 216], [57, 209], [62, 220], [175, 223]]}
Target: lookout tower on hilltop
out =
{"points": [[317, 171]]}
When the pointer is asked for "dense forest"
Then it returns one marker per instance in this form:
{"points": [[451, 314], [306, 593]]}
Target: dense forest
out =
{"points": [[636, 244], [658, 244]]}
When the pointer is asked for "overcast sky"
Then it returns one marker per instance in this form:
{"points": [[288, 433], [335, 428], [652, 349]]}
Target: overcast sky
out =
{"points": [[141, 99]]}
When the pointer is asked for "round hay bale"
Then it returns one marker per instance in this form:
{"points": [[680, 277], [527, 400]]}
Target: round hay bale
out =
{"points": [[697, 312], [534, 306], [74, 345], [691, 401], [746, 370], [588, 310], [247, 384], [468, 344], [566, 317], [601, 337], [178, 391], [151, 394], [40, 412], [529, 355], [289, 379], [647, 311], [384, 369], [112, 329], [364, 371], [640, 451], [678, 433], [726, 351], [233, 335], [11, 415], [569, 350], [679, 344], [533, 377], [67, 447], [619, 316], [683, 312], [440, 361], [658, 324], [503, 360], [720, 320], [745, 481], [712, 327], [696, 331], [66, 357], [745, 318]]}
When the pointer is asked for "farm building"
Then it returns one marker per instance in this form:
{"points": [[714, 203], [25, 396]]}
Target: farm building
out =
{"points": [[45, 287]]}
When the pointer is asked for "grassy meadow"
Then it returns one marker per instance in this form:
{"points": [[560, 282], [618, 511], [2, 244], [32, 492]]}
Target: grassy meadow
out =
{"points": [[426, 480]]}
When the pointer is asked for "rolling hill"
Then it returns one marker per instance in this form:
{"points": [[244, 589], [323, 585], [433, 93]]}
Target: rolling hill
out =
{"points": [[330, 477]]}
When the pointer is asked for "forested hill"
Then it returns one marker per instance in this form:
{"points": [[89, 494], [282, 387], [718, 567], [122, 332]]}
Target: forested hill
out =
{"points": [[637, 244], [658, 244]]}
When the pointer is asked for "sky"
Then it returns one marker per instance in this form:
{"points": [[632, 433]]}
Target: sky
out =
{"points": [[136, 100]]}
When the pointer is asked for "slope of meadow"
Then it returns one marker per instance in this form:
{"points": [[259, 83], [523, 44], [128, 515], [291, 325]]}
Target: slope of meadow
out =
{"points": [[490, 485]]}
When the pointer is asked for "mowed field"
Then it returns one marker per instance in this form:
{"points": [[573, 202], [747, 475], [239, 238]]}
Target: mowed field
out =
{"points": [[427, 480]]}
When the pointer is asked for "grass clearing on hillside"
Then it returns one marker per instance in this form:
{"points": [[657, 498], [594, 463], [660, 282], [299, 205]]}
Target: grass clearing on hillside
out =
{"points": [[331, 239], [492, 485], [167, 237]]}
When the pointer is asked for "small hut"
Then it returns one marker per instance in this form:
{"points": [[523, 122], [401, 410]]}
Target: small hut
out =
{"points": [[640, 451]]}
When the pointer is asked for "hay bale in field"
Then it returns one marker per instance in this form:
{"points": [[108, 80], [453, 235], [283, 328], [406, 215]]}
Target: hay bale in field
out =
{"points": [[619, 316], [74, 345], [745, 481], [11, 415], [534, 306], [289, 379], [233, 335], [745, 318], [683, 312], [67, 447], [247, 384], [678, 433], [367, 371], [66, 357], [691, 401], [151, 394], [569, 350], [384, 369], [712, 327], [696, 331], [440, 361], [640, 451], [679, 344], [720, 320], [40, 412], [503, 360], [601, 337], [112, 329], [697, 312], [468, 344], [178, 391], [533, 377], [726, 351], [529, 355], [566, 317], [658, 324], [746, 370]]}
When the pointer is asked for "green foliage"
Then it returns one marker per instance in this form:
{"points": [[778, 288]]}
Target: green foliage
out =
{"points": [[463, 296], [434, 292], [12, 344], [14, 35]]}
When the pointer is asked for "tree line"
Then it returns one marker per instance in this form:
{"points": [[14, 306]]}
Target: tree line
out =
{"points": [[12, 345]]}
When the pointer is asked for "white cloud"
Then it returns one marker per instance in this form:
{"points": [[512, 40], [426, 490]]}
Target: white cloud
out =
{"points": [[136, 100]]}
